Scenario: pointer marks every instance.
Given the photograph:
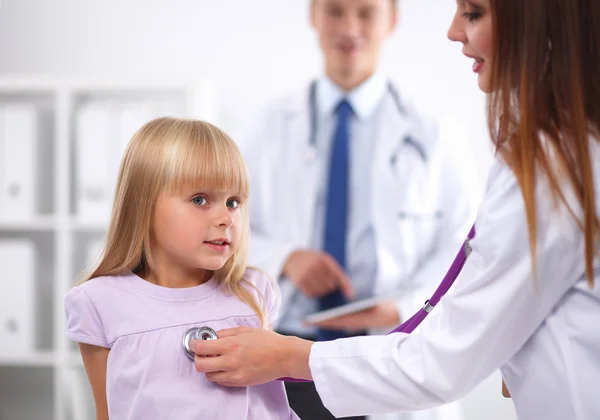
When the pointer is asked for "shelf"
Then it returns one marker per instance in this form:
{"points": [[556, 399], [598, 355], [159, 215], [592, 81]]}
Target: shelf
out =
{"points": [[34, 358], [41, 358], [41, 223], [49, 224], [48, 381], [27, 393]]}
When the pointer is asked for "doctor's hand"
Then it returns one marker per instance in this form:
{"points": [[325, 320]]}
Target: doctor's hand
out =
{"points": [[317, 274], [247, 356], [380, 316]]}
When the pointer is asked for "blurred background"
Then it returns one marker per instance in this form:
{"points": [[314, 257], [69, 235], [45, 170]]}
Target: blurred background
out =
{"points": [[74, 72]]}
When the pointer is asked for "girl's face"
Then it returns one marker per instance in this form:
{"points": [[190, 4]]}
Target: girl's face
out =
{"points": [[472, 26], [195, 231]]}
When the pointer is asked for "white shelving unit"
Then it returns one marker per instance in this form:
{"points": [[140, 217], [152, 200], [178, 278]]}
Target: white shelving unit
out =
{"points": [[48, 381]]}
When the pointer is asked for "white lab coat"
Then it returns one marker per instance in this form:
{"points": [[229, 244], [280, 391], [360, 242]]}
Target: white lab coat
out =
{"points": [[422, 207], [544, 334]]}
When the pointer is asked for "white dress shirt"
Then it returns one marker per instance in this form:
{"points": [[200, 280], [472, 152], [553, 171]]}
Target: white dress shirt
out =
{"points": [[361, 263]]}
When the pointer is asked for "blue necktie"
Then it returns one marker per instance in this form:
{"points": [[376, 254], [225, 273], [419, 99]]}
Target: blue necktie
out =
{"points": [[336, 214]]}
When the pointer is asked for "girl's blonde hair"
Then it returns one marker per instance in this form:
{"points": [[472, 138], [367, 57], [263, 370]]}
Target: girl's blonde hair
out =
{"points": [[168, 154]]}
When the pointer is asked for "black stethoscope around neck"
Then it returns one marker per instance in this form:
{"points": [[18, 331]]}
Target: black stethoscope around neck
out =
{"points": [[314, 121]]}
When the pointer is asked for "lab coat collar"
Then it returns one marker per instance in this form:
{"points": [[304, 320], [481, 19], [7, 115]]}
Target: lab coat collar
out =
{"points": [[363, 99]]}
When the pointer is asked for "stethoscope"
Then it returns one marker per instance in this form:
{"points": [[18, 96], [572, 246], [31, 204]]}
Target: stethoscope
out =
{"points": [[393, 92], [407, 139], [407, 327], [197, 333], [207, 333]]}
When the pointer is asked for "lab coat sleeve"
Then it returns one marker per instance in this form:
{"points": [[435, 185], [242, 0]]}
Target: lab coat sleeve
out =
{"points": [[488, 315], [459, 195], [266, 252]]}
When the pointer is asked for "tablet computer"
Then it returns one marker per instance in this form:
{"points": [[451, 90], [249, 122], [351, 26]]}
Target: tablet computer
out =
{"points": [[349, 308]]}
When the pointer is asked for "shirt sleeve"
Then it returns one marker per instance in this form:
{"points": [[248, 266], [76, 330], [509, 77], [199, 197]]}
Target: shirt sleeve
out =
{"points": [[84, 324]]}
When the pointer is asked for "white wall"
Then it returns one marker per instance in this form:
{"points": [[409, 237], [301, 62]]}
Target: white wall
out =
{"points": [[252, 50]]}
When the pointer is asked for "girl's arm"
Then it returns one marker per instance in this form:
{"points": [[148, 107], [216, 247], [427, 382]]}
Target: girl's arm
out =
{"points": [[94, 360]]}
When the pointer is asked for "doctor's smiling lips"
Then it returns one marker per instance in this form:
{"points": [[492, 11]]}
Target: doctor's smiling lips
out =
{"points": [[347, 46], [478, 64]]}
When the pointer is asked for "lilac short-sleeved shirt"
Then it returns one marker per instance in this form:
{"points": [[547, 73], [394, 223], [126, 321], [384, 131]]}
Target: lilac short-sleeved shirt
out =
{"points": [[149, 376]]}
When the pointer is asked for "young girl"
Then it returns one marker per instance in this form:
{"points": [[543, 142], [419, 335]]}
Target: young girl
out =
{"points": [[174, 264], [528, 298]]}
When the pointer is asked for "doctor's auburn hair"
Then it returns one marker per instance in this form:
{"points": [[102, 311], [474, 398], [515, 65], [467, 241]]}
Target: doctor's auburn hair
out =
{"points": [[168, 154], [546, 81]]}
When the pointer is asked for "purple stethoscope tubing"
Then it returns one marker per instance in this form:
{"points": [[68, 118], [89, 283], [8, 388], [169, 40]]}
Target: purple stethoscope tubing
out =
{"points": [[413, 322]]}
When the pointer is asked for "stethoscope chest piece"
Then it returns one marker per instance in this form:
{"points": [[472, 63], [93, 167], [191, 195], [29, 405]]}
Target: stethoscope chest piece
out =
{"points": [[197, 333]]}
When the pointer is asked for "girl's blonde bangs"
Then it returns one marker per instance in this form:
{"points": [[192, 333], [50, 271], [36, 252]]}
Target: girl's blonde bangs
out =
{"points": [[204, 156]]}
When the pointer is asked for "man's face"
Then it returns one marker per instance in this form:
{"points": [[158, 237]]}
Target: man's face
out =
{"points": [[352, 32]]}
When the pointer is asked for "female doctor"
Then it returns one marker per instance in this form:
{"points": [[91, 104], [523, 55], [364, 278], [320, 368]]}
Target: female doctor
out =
{"points": [[528, 298]]}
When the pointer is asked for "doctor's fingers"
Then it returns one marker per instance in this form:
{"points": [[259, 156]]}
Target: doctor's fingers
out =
{"points": [[221, 355], [325, 276], [232, 332], [235, 378], [210, 347], [312, 289], [225, 379], [320, 283], [323, 283], [252, 357], [314, 281], [342, 281], [230, 340], [209, 364]]}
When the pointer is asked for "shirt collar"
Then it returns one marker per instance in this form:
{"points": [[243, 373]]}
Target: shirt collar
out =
{"points": [[363, 98]]}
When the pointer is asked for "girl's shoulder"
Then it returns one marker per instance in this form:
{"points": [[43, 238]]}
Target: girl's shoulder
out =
{"points": [[256, 276], [101, 283], [103, 288], [260, 280], [90, 309], [265, 285]]}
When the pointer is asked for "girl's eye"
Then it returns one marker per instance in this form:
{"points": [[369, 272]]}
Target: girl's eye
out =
{"points": [[199, 200], [233, 203]]}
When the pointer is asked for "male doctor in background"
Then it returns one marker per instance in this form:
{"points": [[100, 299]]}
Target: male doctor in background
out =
{"points": [[354, 195]]}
